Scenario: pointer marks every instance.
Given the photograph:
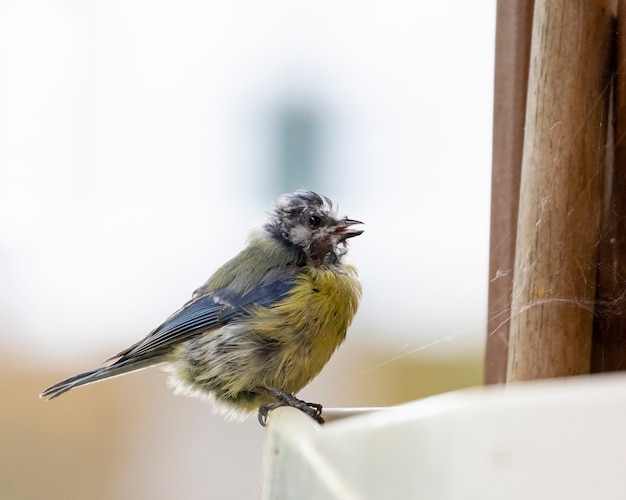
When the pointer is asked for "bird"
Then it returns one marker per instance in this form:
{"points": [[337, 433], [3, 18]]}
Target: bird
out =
{"points": [[264, 324]]}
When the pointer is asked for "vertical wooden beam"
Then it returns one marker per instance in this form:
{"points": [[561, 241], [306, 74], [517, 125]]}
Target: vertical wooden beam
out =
{"points": [[513, 30], [561, 190], [608, 351]]}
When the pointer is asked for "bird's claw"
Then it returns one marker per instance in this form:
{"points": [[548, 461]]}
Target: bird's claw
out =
{"points": [[313, 410]]}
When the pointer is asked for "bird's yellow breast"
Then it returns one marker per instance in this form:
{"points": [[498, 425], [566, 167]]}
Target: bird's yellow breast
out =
{"points": [[310, 323]]}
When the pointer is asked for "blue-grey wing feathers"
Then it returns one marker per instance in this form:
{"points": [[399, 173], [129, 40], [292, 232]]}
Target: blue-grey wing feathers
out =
{"points": [[207, 313]]}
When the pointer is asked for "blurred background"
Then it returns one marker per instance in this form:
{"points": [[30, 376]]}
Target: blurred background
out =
{"points": [[140, 140]]}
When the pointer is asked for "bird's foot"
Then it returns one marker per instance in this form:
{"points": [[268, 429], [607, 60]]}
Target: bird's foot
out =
{"points": [[313, 410]]}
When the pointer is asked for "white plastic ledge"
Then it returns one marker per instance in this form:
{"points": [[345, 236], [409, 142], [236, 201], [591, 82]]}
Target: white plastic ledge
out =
{"points": [[557, 439]]}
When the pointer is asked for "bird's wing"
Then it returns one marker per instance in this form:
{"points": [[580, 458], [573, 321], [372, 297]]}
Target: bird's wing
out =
{"points": [[206, 313]]}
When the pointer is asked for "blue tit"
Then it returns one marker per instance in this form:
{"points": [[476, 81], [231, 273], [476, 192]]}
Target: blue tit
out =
{"points": [[265, 324]]}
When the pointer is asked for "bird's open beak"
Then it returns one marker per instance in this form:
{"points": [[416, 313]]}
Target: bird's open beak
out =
{"points": [[344, 229]]}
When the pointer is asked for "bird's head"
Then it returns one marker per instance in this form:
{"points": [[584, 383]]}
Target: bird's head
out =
{"points": [[309, 222]]}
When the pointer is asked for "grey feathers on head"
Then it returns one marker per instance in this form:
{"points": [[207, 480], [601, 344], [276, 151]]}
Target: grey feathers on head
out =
{"points": [[290, 203], [308, 223], [293, 209]]}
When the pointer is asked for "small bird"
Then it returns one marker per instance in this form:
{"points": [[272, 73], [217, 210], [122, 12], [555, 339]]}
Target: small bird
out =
{"points": [[264, 324]]}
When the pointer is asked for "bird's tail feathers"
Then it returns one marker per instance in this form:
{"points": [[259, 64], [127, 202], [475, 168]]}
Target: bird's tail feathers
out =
{"points": [[89, 377]]}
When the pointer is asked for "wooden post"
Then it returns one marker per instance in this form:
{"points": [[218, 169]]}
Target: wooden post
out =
{"points": [[609, 335], [513, 30], [561, 189]]}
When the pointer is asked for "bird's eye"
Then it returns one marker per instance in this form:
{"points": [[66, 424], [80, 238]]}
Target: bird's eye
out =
{"points": [[315, 221]]}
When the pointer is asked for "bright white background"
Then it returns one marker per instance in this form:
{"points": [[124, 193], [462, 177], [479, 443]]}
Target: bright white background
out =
{"points": [[138, 144]]}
